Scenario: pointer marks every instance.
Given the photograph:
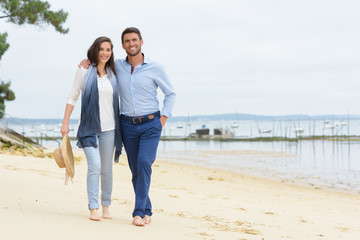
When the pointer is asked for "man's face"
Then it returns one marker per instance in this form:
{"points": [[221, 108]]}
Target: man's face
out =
{"points": [[132, 44]]}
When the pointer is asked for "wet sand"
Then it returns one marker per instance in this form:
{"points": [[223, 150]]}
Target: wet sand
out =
{"points": [[188, 203]]}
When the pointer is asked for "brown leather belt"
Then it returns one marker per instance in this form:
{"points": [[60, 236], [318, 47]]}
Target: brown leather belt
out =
{"points": [[140, 119]]}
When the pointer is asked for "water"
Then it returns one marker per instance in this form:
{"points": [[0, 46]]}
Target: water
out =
{"points": [[320, 163], [277, 128], [329, 164], [246, 128]]}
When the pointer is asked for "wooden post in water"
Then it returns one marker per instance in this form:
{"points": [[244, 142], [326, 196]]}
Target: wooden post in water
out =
{"points": [[314, 128], [280, 128], [348, 127]]}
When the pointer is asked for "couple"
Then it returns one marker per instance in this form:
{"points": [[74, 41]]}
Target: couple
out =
{"points": [[103, 126]]}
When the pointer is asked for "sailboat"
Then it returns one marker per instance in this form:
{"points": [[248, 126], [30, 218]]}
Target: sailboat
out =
{"points": [[235, 123], [265, 130]]}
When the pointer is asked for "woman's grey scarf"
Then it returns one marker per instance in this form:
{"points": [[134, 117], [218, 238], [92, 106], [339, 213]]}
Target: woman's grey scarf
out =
{"points": [[90, 126]]}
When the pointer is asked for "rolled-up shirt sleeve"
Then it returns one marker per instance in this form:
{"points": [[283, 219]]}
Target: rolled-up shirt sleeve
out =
{"points": [[76, 87], [164, 84]]}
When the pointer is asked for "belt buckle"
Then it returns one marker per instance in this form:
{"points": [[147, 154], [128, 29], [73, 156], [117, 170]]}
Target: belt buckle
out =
{"points": [[151, 116], [136, 120]]}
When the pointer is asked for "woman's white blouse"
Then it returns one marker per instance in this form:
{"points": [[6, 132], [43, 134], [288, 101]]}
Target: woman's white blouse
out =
{"points": [[106, 107]]}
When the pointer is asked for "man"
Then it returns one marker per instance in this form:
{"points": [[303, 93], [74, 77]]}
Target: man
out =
{"points": [[141, 122]]}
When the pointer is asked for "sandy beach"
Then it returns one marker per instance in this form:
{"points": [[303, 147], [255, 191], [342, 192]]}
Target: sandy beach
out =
{"points": [[188, 203]]}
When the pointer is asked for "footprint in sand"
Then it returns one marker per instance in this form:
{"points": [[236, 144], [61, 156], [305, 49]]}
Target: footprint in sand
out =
{"points": [[251, 231], [342, 229], [125, 202], [204, 234], [238, 223], [244, 227], [181, 214], [158, 210], [211, 178], [173, 196], [269, 213], [212, 219], [10, 167], [240, 209]]}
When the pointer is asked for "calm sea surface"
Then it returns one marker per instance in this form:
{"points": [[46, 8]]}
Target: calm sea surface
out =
{"points": [[320, 163], [329, 164]]}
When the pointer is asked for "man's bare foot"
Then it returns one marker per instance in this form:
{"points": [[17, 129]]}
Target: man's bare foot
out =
{"points": [[94, 215], [106, 212], [147, 219], [138, 221]]}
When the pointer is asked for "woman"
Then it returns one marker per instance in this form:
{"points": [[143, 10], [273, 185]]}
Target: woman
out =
{"points": [[99, 129]]}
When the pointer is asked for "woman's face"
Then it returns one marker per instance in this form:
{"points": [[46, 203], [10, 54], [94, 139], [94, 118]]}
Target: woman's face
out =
{"points": [[105, 52]]}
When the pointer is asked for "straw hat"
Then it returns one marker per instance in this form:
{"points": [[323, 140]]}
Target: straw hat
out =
{"points": [[64, 156]]}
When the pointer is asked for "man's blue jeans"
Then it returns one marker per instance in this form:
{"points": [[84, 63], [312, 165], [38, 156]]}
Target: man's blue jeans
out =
{"points": [[100, 164], [141, 141]]}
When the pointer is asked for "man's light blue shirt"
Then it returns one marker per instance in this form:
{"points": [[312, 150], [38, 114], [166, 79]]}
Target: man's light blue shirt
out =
{"points": [[138, 90]]}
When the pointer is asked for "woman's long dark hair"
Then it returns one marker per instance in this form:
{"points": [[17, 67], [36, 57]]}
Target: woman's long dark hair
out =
{"points": [[93, 53]]}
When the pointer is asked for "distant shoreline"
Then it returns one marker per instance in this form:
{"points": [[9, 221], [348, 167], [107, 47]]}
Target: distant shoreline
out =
{"points": [[214, 117]]}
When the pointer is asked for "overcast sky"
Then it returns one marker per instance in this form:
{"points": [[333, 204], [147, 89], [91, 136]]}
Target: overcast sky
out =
{"points": [[259, 57]]}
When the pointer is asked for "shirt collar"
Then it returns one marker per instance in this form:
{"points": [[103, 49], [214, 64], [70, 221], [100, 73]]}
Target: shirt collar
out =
{"points": [[146, 59]]}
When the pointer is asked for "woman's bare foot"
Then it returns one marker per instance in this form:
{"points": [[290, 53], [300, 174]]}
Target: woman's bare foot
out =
{"points": [[147, 219], [138, 221], [94, 215], [106, 212]]}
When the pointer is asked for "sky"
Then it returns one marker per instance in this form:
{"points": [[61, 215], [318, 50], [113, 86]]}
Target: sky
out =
{"points": [[261, 57]]}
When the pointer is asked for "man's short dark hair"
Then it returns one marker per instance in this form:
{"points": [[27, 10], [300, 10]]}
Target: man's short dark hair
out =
{"points": [[130, 30]]}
